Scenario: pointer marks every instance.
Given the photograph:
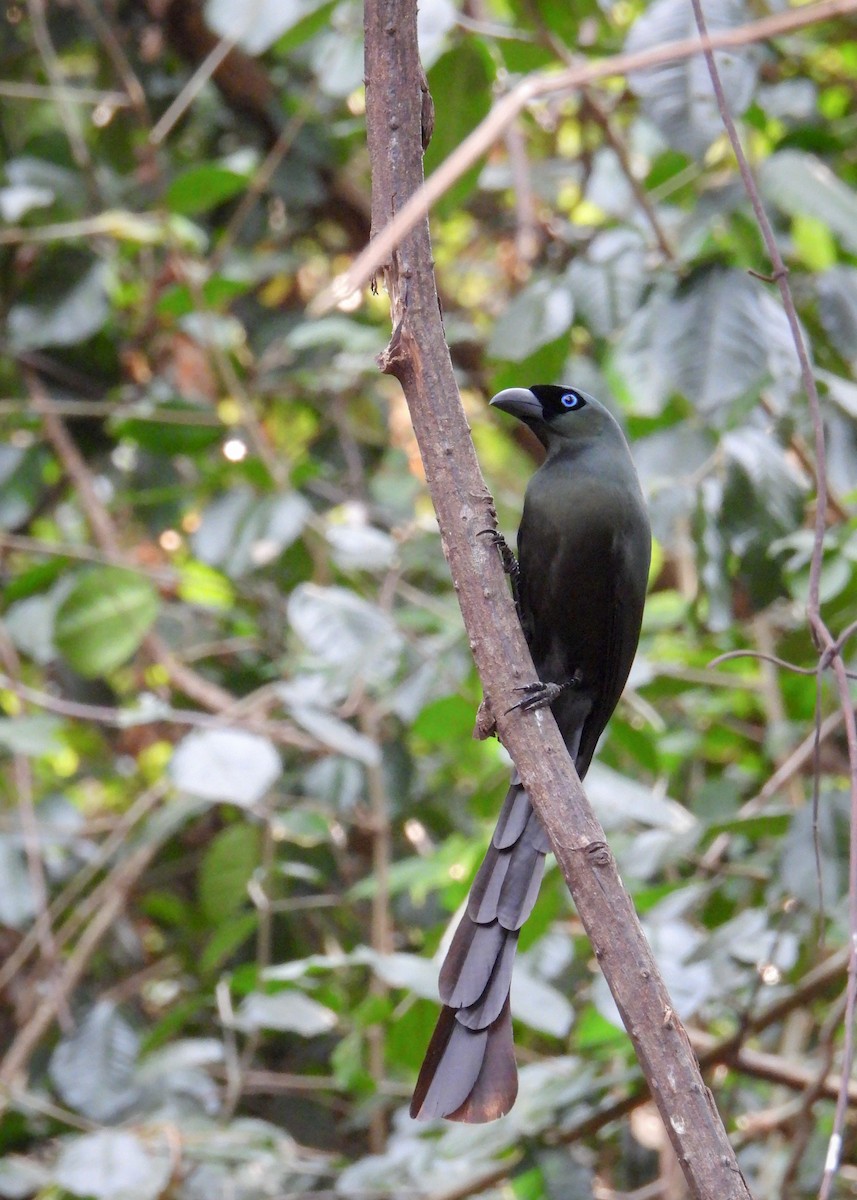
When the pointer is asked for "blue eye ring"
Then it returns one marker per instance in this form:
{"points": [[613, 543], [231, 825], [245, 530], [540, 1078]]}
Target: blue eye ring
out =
{"points": [[572, 400]]}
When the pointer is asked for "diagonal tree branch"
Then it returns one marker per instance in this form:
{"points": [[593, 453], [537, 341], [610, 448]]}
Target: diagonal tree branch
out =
{"points": [[534, 87], [418, 356]]}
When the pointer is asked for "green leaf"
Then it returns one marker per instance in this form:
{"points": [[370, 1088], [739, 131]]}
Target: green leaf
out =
{"points": [[205, 586], [460, 83], [765, 825], [226, 869], [104, 618], [172, 436], [226, 939], [445, 719], [202, 188]]}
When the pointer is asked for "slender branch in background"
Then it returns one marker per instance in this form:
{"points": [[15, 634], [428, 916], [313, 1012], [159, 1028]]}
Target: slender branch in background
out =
{"points": [[828, 647], [191, 89], [534, 87], [68, 114], [73, 461], [258, 887], [134, 95], [802, 1127], [600, 115], [233, 386], [22, 782], [592, 107], [63, 94], [75, 886], [796, 761], [261, 179], [527, 236], [206, 693], [381, 926], [25, 1043]]}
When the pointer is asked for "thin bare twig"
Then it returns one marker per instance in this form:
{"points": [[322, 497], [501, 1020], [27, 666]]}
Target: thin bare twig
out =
{"points": [[24, 1045], [75, 886], [381, 933], [828, 647], [261, 178], [68, 115], [205, 692], [191, 89], [63, 94]]}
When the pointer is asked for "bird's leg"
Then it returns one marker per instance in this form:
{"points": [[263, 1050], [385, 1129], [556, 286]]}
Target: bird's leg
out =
{"points": [[540, 695], [510, 564]]}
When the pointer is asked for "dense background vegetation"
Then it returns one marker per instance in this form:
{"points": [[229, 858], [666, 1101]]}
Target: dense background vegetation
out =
{"points": [[240, 798]]}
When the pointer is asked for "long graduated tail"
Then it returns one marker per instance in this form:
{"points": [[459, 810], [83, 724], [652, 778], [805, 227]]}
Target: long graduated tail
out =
{"points": [[469, 1073]]}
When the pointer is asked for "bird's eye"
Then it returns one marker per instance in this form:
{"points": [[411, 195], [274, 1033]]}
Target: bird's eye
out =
{"points": [[572, 400]]}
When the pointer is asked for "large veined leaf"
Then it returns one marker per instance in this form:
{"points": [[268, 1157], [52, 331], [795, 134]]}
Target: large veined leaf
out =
{"points": [[93, 1068], [113, 1164], [717, 341], [232, 766], [608, 281], [258, 25], [64, 320], [802, 185], [837, 296], [344, 632], [677, 96], [103, 619], [539, 314]]}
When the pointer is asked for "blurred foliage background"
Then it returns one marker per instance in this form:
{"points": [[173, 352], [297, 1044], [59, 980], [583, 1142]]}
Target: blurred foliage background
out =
{"points": [[240, 800]]}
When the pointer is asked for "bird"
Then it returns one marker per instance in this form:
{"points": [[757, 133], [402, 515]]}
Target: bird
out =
{"points": [[579, 583]]}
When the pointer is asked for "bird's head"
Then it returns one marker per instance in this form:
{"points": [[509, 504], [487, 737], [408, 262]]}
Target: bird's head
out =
{"points": [[556, 415]]}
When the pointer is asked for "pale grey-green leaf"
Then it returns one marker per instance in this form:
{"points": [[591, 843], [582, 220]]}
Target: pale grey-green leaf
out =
{"points": [[608, 281], [256, 26], [802, 185], [678, 96], [539, 314], [231, 766], [288, 1011], [346, 633], [112, 1164], [92, 1068], [68, 319]]}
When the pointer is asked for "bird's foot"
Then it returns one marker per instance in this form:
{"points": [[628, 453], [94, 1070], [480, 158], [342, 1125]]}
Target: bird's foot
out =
{"points": [[510, 563], [541, 695]]}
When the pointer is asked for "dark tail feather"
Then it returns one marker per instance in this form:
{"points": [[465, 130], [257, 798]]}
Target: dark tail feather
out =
{"points": [[468, 1073]]}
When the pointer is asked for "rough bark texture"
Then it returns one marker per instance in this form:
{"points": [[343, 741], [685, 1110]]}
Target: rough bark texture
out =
{"points": [[418, 356]]}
